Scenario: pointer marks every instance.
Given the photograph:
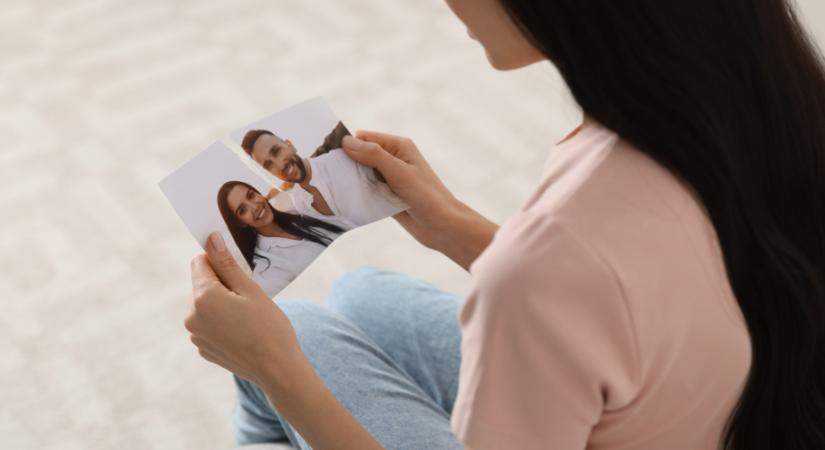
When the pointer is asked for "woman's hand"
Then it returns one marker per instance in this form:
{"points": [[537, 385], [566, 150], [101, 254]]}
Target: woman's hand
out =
{"points": [[435, 217], [235, 325]]}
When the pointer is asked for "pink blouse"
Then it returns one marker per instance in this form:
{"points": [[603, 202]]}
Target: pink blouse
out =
{"points": [[601, 316]]}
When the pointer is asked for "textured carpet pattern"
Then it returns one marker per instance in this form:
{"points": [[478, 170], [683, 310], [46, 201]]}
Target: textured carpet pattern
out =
{"points": [[99, 99]]}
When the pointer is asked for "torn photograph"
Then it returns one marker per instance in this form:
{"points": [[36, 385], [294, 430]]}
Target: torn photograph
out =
{"points": [[283, 197], [300, 150]]}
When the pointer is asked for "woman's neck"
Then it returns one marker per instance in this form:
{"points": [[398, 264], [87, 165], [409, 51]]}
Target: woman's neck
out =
{"points": [[271, 230], [274, 230]]}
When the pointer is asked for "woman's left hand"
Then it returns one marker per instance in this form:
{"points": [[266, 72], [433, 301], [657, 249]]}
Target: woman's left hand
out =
{"points": [[233, 322], [235, 325]]}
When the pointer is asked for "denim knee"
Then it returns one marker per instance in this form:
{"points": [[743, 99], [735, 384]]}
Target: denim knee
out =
{"points": [[317, 327], [306, 316], [357, 289]]}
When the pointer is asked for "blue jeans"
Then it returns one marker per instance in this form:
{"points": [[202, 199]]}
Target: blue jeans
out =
{"points": [[387, 346]]}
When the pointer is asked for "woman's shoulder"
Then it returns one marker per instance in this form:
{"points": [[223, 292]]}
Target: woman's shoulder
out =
{"points": [[618, 200], [615, 238], [645, 224], [607, 203], [622, 203], [597, 175]]}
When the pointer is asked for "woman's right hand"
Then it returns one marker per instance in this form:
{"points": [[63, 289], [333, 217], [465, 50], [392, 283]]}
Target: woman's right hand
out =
{"points": [[435, 217]]}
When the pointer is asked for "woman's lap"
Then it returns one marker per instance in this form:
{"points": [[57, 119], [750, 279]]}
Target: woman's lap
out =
{"points": [[415, 323], [387, 346]]}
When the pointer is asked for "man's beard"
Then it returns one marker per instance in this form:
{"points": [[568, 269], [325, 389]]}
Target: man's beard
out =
{"points": [[302, 170]]}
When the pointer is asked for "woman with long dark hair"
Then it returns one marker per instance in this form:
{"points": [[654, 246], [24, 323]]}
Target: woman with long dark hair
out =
{"points": [[663, 288], [277, 245]]}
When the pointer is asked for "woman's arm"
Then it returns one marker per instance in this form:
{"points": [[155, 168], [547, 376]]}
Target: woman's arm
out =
{"points": [[460, 233], [305, 402], [234, 324], [435, 217]]}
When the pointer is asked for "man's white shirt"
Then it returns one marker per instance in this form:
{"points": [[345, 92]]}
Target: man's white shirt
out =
{"points": [[351, 190]]}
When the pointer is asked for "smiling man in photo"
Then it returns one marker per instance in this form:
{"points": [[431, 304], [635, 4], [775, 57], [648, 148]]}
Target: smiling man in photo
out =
{"points": [[329, 185]]}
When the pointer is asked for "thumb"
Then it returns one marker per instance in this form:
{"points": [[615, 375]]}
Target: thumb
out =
{"points": [[372, 155], [227, 269], [203, 277]]}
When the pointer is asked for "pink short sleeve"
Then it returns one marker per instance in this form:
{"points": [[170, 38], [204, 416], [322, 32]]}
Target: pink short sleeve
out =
{"points": [[548, 342]]}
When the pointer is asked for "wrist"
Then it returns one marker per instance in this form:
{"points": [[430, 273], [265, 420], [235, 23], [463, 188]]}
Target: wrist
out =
{"points": [[284, 376], [303, 400], [454, 210], [466, 233], [452, 216]]}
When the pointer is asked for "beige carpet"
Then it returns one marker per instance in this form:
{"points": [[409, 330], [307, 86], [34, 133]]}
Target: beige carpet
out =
{"points": [[99, 99]]}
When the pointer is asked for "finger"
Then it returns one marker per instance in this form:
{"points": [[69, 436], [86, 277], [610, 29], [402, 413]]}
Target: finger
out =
{"points": [[205, 344], [373, 155], [209, 356], [197, 341], [211, 352], [401, 147], [203, 277], [227, 269], [390, 142]]}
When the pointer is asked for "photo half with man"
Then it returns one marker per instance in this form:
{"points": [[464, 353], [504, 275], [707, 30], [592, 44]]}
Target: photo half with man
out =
{"points": [[283, 195]]}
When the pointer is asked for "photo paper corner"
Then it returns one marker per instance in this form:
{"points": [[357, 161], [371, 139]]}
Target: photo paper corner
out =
{"points": [[192, 191]]}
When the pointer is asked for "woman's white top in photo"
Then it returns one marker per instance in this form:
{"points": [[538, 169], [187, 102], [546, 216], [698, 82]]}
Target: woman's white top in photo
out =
{"points": [[287, 258]]}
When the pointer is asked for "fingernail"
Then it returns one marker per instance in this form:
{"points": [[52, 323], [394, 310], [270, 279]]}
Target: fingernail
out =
{"points": [[217, 242], [353, 143]]}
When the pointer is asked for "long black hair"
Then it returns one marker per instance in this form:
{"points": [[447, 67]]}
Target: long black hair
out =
{"points": [[729, 95], [246, 237]]}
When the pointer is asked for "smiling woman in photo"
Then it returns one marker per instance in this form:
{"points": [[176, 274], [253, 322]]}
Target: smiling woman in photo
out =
{"points": [[277, 245]]}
